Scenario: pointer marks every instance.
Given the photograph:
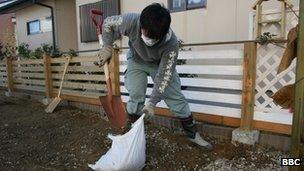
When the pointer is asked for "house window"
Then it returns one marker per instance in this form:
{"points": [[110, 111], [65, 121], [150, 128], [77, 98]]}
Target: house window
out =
{"points": [[87, 28], [183, 5], [177, 5], [33, 27]]}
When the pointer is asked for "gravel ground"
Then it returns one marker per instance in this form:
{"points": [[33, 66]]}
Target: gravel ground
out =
{"points": [[69, 139]]}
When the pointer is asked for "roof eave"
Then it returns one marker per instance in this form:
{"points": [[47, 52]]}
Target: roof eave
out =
{"points": [[9, 8]]}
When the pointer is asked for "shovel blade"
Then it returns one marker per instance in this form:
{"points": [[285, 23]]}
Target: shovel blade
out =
{"points": [[51, 107], [115, 111]]}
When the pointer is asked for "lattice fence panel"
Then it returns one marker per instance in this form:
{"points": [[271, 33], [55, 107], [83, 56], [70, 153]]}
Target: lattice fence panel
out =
{"points": [[268, 81]]}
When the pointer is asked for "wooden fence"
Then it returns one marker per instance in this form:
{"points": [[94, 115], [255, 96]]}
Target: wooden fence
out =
{"points": [[219, 84]]}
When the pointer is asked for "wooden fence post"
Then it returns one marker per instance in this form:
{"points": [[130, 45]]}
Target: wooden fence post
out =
{"points": [[249, 78], [114, 72], [258, 20], [298, 117], [48, 76], [9, 74]]}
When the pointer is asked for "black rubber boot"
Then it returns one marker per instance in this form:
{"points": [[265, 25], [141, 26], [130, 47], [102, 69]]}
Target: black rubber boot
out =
{"points": [[189, 126], [191, 132]]}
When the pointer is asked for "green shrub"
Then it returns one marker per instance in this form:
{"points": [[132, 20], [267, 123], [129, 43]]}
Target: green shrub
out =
{"points": [[47, 48], [26, 53], [56, 52], [72, 52], [23, 50], [37, 53]]}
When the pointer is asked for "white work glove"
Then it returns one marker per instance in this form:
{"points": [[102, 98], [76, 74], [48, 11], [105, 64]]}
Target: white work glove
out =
{"points": [[148, 110], [104, 54]]}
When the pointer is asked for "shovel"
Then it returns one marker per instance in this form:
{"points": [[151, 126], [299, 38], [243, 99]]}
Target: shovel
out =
{"points": [[112, 105], [51, 107]]}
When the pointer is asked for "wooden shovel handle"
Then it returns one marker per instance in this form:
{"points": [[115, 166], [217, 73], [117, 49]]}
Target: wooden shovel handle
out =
{"points": [[106, 70], [108, 80], [64, 71]]}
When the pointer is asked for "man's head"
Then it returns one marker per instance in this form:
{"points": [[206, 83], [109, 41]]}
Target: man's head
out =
{"points": [[155, 21]]}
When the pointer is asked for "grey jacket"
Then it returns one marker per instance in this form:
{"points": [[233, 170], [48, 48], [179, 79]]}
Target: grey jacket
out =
{"points": [[164, 53]]}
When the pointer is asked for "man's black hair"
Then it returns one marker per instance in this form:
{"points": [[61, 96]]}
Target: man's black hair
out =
{"points": [[156, 20]]}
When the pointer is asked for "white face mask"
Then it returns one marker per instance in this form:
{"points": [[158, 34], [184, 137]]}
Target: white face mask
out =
{"points": [[148, 41]]}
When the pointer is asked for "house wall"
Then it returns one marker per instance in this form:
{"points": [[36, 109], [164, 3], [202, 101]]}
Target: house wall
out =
{"points": [[227, 20], [66, 24], [6, 28], [31, 13]]}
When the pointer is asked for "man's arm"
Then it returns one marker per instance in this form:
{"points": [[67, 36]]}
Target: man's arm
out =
{"points": [[115, 26], [164, 75], [112, 29]]}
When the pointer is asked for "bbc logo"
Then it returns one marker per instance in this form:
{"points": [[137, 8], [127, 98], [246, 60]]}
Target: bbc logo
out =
{"points": [[291, 162]]}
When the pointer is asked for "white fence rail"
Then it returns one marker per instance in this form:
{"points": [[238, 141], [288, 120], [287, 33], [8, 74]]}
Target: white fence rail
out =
{"points": [[208, 91]]}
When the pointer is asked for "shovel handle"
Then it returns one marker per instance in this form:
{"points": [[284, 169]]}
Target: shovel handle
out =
{"points": [[67, 61], [98, 25], [106, 70], [108, 80]]}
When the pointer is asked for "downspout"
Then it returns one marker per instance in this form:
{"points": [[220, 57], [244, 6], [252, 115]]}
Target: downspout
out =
{"points": [[53, 21]]}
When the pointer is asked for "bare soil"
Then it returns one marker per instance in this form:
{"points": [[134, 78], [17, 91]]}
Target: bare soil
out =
{"points": [[70, 139]]}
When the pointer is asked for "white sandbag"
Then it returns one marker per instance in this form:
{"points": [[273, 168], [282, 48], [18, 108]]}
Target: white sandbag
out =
{"points": [[128, 151]]}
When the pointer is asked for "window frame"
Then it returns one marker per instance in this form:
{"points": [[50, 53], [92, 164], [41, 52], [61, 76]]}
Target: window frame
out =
{"points": [[182, 8], [28, 27], [202, 4], [186, 6], [87, 28]]}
